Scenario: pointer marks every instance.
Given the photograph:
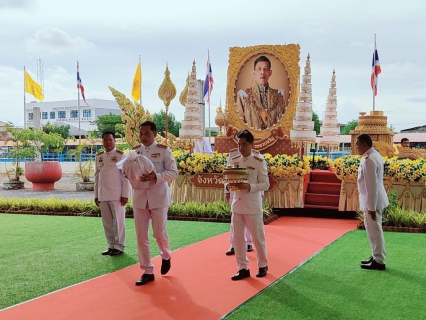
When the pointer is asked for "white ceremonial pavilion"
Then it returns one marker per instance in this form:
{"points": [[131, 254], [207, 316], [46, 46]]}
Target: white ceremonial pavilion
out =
{"points": [[58, 113]]}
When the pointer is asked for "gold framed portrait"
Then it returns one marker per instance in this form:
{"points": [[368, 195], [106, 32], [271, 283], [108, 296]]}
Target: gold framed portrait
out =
{"points": [[261, 100]]}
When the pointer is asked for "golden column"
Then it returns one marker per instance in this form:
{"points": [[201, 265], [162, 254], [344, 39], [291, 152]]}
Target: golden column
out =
{"points": [[167, 92]]}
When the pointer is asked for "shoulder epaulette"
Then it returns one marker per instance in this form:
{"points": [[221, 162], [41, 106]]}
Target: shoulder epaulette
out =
{"points": [[232, 150], [258, 158], [136, 147], [99, 153], [119, 151], [256, 152], [236, 156], [163, 146]]}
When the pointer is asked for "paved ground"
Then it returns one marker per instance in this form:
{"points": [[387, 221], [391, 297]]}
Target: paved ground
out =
{"points": [[64, 188]]}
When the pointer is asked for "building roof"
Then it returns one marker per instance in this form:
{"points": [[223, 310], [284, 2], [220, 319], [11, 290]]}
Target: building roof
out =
{"points": [[412, 136]]}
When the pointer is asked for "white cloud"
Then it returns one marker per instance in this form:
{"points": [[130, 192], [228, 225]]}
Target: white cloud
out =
{"points": [[56, 41]]}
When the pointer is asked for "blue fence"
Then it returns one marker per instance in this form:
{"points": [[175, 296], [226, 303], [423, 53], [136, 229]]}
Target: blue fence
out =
{"points": [[333, 155], [62, 157]]}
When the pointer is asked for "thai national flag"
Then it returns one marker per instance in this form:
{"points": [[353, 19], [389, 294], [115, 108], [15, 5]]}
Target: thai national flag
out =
{"points": [[79, 83], [375, 70], [208, 83]]}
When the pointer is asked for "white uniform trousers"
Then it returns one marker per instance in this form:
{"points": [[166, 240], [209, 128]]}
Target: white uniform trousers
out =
{"points": [[247, 236], [375, 236], [113, 220], [254, 224], [159, 227]]}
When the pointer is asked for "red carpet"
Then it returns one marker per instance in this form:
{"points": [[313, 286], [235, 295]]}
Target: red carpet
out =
{"points": [[197, 287]]}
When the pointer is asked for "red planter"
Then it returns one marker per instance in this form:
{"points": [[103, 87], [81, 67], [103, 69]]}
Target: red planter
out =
{"points": [[43, 174]]}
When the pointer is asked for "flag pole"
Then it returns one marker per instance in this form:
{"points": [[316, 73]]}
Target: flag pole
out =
{"points": [[140, 82], [78, 108], [25, 87], [374, 65], [208, 95]]}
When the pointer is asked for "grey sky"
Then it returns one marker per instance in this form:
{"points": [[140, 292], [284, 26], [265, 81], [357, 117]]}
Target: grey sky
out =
{"points": [[108, 36]]}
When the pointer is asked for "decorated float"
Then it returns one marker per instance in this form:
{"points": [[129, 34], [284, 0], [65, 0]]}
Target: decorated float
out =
{"points": [[283, 136]]}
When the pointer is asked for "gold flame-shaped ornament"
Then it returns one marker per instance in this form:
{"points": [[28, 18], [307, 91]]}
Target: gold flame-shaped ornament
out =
{"points": [[132, 115], [167, 90], [184, 94], [220, 119]]}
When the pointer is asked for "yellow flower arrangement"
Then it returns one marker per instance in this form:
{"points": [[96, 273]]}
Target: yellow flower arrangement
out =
{"points": [[320, 162], [405, 169], [397, 170], [192, 163], [284, 166], [280, 166], [346, 168]]}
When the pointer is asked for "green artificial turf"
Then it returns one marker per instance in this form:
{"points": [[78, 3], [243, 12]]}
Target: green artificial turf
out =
{"points": [[41, 254], [332, 285]]}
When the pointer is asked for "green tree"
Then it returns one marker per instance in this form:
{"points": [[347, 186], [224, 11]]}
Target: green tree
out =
{"points": [[63, 130], [213, 133], [109, 122], [317, 124], [160, 119], [350, 126]]}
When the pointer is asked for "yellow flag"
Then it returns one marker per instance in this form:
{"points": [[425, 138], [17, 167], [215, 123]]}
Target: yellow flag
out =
{"points": [[137, 82], [33, 87]]}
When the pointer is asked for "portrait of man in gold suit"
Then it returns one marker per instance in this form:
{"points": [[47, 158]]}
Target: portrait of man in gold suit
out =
{"points": [[261, 106]]}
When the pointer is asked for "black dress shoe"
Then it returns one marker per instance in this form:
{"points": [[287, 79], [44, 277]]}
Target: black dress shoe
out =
{"points": [[374, 266], [367, 261], [165, 266], [106, 252], [241, 274], [262, 272], [230, 252], [249, 248], [115, 252], [145, 279]]}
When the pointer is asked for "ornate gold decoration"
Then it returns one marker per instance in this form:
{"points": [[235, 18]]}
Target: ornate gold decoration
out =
{"points": [[220, 119], [132, 115], [184, 93], [289, 56], [376, 126], [167, 90]]}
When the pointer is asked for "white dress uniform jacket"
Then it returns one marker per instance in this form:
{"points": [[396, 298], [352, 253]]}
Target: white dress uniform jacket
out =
{"points": [[110, 183], [372, 193], [250, 202], [158, 193]]}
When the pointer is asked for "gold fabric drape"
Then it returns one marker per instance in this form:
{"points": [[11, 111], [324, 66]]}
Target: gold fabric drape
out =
{"points": [[287, 194], [411, 195]]}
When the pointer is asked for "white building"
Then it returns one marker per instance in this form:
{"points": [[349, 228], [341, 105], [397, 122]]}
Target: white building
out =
{"points": [[58, 113]]}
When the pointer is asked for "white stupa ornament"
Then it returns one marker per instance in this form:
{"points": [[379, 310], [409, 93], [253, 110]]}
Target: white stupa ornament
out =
{"points": [[330, 129], [303, 126], [192, 126]]}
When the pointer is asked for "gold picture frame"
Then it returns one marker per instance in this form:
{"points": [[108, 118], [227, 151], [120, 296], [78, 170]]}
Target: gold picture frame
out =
{"points": [[286, 72]]}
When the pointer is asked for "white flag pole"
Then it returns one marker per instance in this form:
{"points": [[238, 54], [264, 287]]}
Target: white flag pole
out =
{"points": [[25, 87]]}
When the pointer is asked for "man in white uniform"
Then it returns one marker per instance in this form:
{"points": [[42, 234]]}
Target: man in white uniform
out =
{"points": [[112, 191], [247, 235], [372, 200], [152, 204], [246, 206]]}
